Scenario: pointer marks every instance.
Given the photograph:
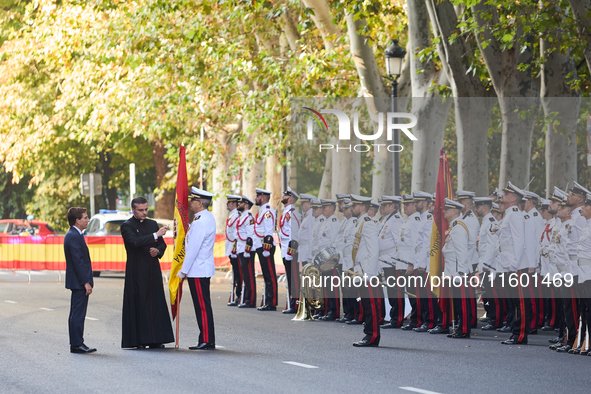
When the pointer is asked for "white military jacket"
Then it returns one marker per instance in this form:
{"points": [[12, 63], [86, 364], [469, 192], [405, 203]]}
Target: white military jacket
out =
{"points": [[318, 223], [534, 225], [231, 223], [199, 242], [584, 253], [455, 250], [406, 241], [348, 239], [579, 223], [487, 243], [423, 248], [558, 250], [510, 242], [244, 230], [545, 267], [471, 221], [327, 232], [389, 231], [264, 223], [289, 227], [305, 237], [365, 246]]}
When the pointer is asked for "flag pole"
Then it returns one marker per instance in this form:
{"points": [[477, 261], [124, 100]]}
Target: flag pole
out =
{"points": [[178, 313]]}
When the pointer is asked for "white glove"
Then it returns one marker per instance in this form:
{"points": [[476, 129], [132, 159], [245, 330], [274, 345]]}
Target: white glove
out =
{"points": [[288, 258], [181, 275], [457, 280], [233, 256], [246, 255], [266, 253]]}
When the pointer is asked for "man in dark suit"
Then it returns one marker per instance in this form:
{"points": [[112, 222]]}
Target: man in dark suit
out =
{"points": [[78, 277], [146, 321]]}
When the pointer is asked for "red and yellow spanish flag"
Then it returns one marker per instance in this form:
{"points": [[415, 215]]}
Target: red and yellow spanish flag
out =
{"points": [[181, 227], [444, 190]]}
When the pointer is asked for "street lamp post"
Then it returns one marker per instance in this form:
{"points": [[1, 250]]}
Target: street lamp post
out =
{"points": [[394, 58]]}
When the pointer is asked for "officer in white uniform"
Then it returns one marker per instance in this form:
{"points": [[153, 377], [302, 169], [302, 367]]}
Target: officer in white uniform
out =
{"points": [[406, 243], [466, 198], [244, 248], [230, 243], [264, 224], [345, 250], [199, 266], [319, 218], [305, 232], [511, 256], [365, 263], [389, 232], [549, 299], [534, 225], [327, 233], [457, 267], [584, 262], [289, 227]]}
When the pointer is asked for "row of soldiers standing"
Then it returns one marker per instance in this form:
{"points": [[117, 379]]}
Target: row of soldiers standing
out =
{"points": [[512, 241]]}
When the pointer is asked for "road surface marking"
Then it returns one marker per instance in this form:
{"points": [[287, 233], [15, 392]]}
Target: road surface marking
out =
{"points": [[46, 309], [299, 364], [10, 302], [91, 318], [416, 390]]}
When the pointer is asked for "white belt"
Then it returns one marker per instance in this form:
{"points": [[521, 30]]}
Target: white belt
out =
{"points": [[583, 262], [506, 248], [404, 248], [387, 251]]}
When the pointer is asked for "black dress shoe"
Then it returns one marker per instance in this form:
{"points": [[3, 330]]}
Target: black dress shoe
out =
{"points": [[267, 308], [547, 328], [82, 349], [422, 328], [504, 329], [344, 319], [329, 317], [203, 346], [245, 306], [233, 303], [484, 319], [575, 350], [289, 311], [354, 321], [459, 335], [156, 346], [365, 343], [556, 340], [408, 327], [389, 326], [513, 341], [564, 349], [317, 316], [533, 332], [584, 353], [488, 327], [439, 330]]}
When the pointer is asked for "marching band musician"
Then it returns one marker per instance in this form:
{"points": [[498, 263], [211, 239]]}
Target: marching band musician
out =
{"points": [[346, 261], [317, 213], [264, 224], [511, 256], [365, 263], [387, 236], [405, 250], [244, 250], [230, 243], [327, 233], [289, 226], [305, 231], [457, 267]]}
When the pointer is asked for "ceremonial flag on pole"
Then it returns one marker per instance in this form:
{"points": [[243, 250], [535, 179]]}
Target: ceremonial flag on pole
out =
{"points": [[444, 190], [181, 227]]}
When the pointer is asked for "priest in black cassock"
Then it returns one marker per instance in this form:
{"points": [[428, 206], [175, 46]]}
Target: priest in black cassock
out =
{"points": [[146, 321]]}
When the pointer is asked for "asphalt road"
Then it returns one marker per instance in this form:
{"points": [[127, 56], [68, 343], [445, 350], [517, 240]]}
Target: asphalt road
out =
{"points": [[257, 352]]}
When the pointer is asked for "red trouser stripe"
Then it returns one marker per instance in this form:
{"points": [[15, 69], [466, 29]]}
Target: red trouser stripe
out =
{"points": [[374, 314], [273, 280], [203, 311], [252, 301], [360, 318], [497, 307], [522, 313], [574, 302], [465, 322]]}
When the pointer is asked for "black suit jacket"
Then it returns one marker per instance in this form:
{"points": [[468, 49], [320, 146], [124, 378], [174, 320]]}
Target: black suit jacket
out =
{"points": [[78, 265]]}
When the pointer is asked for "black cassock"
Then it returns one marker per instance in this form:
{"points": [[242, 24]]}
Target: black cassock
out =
{"points": [[145, 313]]}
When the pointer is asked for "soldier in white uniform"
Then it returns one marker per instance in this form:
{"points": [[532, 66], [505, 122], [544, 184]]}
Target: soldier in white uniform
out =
{"points": [[230, 243], [305, 233], [584, 262], [289, 227], [547, 292], [485, 246], [327, 233], [511, 256], [427, 308], [365, 262], [534, 225], [405, 251], [466, 198], [264, 224], [319, 218], [346, 263], [199, 266], [457, 267], [244, 249]]}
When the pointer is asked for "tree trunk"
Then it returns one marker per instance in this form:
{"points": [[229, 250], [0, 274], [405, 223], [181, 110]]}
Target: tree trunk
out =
{"points": [[107, 172], [273, 179], [561, 105], [322, 18], [473, 116], [325, 188], [164, 208], [581, 10]]}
